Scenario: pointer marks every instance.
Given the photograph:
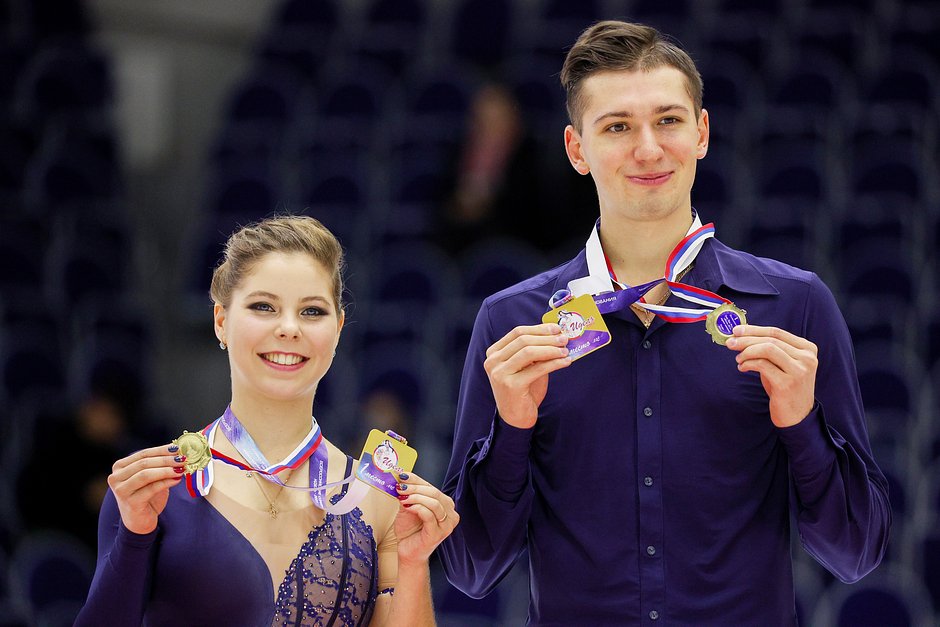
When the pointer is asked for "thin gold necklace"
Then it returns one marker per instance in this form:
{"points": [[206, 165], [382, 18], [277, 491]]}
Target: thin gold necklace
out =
{"points": [[646, 316], [272, 504]]}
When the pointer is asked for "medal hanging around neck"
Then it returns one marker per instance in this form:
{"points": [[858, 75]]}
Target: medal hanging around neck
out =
{"points": [[199, 472], [719, 313]]}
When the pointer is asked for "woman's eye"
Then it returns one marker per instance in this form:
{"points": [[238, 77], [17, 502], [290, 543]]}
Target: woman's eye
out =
{"points": [[261, 307], [313, 312]]}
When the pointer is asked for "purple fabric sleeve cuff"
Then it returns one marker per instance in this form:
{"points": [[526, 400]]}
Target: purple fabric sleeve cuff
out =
{"points": [[809, 445], [507, 466], [130, 540]]}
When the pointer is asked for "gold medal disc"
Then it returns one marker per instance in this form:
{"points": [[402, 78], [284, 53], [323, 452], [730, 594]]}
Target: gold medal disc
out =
{"points": [[195, 447], [721, 321]]}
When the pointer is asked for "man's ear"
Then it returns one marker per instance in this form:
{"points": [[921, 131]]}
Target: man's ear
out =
{"points": [[703, 130], [574, 152]]}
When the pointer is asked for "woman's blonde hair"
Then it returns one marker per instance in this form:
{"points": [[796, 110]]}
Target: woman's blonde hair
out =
{"points": [[280, 234]]}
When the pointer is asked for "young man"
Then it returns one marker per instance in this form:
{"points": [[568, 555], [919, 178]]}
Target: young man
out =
{"points": [[654, 480]]}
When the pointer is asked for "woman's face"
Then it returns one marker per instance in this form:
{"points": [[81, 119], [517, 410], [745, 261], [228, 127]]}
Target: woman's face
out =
{"points": [[281, 328]]}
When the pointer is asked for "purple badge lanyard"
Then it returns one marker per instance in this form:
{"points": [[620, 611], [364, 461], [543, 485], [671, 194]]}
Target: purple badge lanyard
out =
{"points": [[312, 447], [600, 284]]}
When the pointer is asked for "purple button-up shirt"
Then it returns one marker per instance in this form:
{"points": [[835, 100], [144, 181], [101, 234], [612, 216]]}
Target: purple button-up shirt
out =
{"points": [[654, 488]]}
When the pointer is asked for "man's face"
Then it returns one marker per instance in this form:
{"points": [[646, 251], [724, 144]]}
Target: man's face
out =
{"points": [[640, 141]]}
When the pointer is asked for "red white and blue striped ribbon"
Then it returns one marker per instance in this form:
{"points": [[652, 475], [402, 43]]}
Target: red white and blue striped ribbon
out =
{"points": [[200, 482], [601, 278]]}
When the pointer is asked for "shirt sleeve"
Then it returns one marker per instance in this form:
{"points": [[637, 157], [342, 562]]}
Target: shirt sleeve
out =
{"points": [[122, 575], [489, 479], [840, 495]]}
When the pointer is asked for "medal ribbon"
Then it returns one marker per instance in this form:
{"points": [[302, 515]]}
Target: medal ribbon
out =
{"points": [[600, 280], [311, 447]]}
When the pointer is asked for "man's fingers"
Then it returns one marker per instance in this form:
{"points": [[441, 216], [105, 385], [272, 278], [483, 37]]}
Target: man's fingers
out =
{"points": [[530, 355], [755, 331], [546, 331]]}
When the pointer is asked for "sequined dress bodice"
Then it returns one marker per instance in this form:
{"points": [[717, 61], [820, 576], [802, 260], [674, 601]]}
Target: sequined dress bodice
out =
{"points": [[333, 579]]}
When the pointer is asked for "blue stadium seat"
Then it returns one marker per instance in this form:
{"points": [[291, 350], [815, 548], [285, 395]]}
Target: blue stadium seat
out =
{"points": [[733, 91], [437, 100], [494, 264], [891, 596], [315, 14], [22, 240], [337, 197], [481, 31], [269, 96], [68, 80], [53, 568], [678, 19], [353, 104], [412, 371], [393, 33]]}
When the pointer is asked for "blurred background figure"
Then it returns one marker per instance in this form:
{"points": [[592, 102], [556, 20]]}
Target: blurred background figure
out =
{"points": [[496, 186], [84, 443]]}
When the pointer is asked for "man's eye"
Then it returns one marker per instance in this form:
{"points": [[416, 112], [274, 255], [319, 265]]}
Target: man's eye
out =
{"points": [[619, 127], [668, 121]]}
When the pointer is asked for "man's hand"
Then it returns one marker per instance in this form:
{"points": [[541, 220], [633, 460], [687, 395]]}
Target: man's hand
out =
{"points": [[518, 366], [787, 367]]}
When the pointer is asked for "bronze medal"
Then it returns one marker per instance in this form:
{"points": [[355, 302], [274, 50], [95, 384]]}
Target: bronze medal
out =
{"points": [[195, 447], [721, 321]]}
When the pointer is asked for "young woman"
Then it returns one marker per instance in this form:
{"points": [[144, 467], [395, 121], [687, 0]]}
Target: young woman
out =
{"points": [[241, 547]]}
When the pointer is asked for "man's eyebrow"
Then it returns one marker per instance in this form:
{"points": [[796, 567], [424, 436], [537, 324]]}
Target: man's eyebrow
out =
{"points": [[658, 110]]}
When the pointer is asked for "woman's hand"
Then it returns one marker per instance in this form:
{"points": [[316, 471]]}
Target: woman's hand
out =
{"points": [[141, 484], [426, 517]]}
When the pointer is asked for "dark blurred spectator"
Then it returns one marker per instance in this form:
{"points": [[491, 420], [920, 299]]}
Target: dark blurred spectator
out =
{"points": [[498, 184], [61, 487]]}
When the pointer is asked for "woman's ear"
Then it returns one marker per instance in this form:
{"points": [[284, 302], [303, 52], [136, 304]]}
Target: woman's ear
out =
{"points": [[218, 317]]}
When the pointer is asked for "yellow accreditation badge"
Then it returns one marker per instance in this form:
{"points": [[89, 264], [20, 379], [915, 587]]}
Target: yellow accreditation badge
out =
{"points": [[384, 457], [721, 321], [195, 447], [581, 321]]}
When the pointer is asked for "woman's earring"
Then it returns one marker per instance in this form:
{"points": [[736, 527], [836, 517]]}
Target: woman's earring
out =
{"points": [[222, 344]]}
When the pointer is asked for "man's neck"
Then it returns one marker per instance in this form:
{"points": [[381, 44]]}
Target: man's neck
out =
{"points": [[638, 250]]}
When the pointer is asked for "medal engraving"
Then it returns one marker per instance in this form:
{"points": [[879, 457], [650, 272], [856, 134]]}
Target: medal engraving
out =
{"points": [[195, 447], [721, 321]]}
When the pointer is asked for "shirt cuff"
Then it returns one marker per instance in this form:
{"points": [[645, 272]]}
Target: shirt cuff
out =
{"points": [[808, 444], [506, 470]]}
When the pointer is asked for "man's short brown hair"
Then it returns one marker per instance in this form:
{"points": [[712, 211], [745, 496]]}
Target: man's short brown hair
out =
{"points": [[613, 46]]}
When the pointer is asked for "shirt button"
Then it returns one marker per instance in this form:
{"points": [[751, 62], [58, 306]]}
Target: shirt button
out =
{"points": [[647, 481], [654, 615], [651, 550], [647, 411], [647, 344]]}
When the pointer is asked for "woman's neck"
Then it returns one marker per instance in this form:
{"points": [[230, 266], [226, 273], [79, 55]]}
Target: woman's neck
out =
{"points": [[277, 428]]}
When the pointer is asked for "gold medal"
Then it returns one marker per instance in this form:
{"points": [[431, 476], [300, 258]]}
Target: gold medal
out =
{"points": [[195, 447], [721, 321]]}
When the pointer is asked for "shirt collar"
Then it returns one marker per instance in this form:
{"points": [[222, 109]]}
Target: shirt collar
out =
{"points": [[716, 265]]}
